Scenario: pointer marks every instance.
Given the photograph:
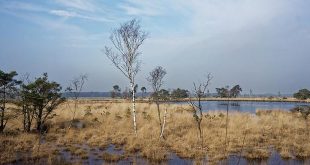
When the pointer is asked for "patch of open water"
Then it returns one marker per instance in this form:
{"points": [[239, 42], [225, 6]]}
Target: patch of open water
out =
{"points": [[94, 158]]}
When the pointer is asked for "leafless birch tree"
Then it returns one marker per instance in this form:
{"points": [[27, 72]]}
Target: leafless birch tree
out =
{"points": [[195, 102], [156, 80], [75, 88], [127, 40]]}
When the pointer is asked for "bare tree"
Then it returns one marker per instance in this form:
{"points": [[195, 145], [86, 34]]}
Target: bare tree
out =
{"points": [[198, 94], [156, 80], [127, 40], [75, 88]]}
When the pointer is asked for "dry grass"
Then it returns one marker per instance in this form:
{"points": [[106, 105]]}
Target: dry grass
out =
{"points": [[104, 123]]}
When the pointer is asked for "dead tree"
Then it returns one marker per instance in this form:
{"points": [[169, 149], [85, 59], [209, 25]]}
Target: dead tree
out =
{"points": [[156, 80], [127, 40], [195, 103], [75, 88]]}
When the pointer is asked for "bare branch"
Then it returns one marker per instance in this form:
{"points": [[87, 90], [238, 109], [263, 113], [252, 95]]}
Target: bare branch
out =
{"points": [[127, 39], [156, 78]]}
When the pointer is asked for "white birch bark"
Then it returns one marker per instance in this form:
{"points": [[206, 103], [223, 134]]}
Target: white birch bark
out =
{"points": [[164, 123], [134, 108]]}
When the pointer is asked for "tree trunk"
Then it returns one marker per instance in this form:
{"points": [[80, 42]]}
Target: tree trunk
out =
{"points": [[2, 123], [39, 120], [2, 120], [2, 111], [75, 108], [199, 121], [134, 107], [159, 118], [25, 118], [29, 120], [200, 131], [199, 128], [226, 136], [28, 127], [164, 123], [39, 125], [74, 112]]}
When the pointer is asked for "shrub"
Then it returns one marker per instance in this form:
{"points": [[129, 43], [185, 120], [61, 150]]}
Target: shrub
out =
{"points": [[302, 94]]}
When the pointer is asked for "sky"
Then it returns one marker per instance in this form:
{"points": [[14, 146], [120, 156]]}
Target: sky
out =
{"points": [[263, 45]]}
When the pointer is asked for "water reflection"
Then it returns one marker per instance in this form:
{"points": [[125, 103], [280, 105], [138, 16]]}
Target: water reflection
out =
{"points": [[274, 159], [248, 106]]}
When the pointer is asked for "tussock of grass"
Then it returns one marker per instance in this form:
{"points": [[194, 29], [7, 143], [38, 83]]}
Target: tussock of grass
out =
{"points": [[257, 153], [79, 152], [111, 157]]}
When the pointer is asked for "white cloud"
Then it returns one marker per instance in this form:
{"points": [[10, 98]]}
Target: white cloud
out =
{"points": [[143, 8], [63, 13], [21, 6], [85, 9], [230, 16], [68, 14], [212, 15], [86, 5]]}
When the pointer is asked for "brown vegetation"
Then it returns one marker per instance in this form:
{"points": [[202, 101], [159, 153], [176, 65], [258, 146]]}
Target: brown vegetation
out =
{"points": [[98, 124]]}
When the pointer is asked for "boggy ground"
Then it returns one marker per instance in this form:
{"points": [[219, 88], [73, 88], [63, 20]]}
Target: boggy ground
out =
{"points": [[98, 124]]}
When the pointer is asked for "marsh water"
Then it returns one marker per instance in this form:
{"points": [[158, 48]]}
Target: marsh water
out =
{"points": [[94, 157], [248, 106]]}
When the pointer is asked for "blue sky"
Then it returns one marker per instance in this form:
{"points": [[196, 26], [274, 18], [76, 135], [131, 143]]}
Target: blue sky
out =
{"points": [[262, 45]]}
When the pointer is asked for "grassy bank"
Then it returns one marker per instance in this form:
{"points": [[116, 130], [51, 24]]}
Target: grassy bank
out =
{"points": [[101, 123]]}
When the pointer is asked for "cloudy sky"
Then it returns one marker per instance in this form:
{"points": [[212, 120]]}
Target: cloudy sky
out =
{"points": [[262, 45]]}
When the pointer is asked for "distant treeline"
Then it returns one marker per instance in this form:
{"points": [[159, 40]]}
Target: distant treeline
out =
{"points": [[99, 94], [148, 94]]}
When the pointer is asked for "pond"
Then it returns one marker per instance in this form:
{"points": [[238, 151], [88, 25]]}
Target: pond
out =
{"points": [[94, 157], [248, 106], [275, 158]]}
